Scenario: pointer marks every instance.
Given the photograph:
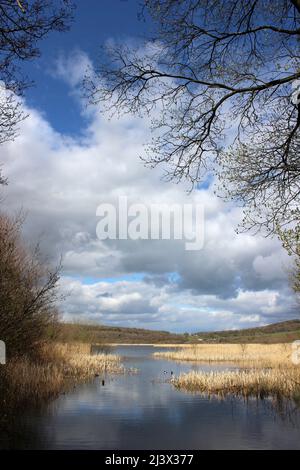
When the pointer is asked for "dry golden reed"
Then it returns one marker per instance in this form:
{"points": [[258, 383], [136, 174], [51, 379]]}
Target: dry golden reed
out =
{"points": [[259, 355], [59, 366], [251, 382], [76, 361], [264, 370]]}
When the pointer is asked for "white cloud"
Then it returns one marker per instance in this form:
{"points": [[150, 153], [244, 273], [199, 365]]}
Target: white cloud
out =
{"points": [[236, 280], [72, 68]]}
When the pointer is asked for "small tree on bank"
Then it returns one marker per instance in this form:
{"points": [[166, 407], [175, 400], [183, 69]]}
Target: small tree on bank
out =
{"points": [[28, 292]]}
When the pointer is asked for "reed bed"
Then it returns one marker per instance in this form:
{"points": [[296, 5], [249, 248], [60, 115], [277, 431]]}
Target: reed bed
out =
{"points": [[77, 362], [58, 367], [263, 370], [251, 355], [257, 383]]}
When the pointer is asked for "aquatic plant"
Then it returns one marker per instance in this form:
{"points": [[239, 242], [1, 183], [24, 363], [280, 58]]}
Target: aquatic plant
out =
{"points": [[58, 367], [263, 370], [248, 355], [259, 383]]}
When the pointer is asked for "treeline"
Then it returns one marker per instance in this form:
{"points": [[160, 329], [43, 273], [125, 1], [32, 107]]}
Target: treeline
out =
{"points": [[85, 333]]}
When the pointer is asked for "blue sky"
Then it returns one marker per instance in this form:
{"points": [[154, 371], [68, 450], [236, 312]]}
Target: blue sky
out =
{"points": [[95, 22], [60, 178]]}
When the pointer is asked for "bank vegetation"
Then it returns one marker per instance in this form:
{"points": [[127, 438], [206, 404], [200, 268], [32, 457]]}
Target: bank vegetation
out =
{"points": [[262, 370], [37, 366]]}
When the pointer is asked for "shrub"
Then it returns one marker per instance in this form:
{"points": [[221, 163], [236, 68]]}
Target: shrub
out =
{"points": [[28, 291]]}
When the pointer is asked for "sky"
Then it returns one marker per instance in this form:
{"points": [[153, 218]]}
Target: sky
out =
{"points": [[69, 158]]}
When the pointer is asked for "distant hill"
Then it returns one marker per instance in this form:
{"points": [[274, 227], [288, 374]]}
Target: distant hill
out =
{"points": [[275, 333], [113, 334]]}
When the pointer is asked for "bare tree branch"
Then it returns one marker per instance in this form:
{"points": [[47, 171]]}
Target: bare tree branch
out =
{"points": [[217, 79], [22, 26]]}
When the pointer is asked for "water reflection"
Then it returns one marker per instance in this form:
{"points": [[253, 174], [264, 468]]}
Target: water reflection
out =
{"points": [[144, 411]]}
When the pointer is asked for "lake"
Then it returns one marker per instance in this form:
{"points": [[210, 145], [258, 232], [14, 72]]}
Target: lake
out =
{"points": [[144, 411]]}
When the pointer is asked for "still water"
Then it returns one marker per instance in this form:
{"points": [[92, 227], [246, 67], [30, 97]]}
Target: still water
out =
{"points": [[144, 411]]}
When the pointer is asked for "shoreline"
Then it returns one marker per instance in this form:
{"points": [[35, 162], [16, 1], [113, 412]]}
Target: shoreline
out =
{"points": [[58, 367]]}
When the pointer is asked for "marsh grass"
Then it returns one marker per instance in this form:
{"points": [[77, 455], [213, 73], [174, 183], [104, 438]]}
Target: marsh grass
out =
{"points": [[263, 370], [57, 368], [259, 383], [251, 355]]}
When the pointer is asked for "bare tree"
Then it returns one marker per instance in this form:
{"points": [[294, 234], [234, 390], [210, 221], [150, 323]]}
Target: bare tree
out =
{"points": [[263, 173], [10, 113], [217, 73], [28, 291], [3, 180], [295, 276], [22, 25]]}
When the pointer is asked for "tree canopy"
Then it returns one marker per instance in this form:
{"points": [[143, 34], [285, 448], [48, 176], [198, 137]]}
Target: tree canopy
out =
{"points": [[22, 25], [221, 81]]}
